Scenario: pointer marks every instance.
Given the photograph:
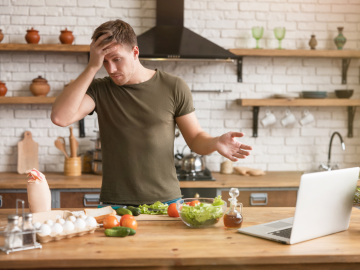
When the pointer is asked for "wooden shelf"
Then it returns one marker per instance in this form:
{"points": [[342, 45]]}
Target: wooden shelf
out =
{"points": [[44, 47], [298, 102], [297, 53], [27, 100]]}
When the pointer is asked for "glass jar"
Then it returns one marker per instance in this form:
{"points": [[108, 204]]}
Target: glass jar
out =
{"points": [[233, 218], [13, 236], [28, 231]]}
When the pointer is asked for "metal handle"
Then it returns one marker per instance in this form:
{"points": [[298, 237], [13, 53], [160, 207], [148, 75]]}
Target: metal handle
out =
{"points": [[91, 198], [255, 197], [1, 200]]}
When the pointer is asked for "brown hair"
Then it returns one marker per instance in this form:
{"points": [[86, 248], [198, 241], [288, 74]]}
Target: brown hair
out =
{"points": [[121, 31]]}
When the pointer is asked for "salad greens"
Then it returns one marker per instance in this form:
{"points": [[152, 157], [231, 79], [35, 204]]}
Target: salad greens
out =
{"points": [[203, 213], [357, 196], [161, 207]]}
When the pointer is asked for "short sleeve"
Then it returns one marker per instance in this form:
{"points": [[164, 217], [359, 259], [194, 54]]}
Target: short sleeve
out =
{"points": [[183, 99], [92, 92]]}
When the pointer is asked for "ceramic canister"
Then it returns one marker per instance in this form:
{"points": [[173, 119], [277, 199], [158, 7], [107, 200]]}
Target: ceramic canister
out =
{"points": [[340, 40], [1, 35], [32, 36], [66, 37], [3, 89], [39, 87]]}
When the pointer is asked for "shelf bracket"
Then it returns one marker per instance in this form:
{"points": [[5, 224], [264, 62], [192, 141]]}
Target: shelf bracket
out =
{"points": [[351, 116], [256, 110], [345, 67], [239, 69]]}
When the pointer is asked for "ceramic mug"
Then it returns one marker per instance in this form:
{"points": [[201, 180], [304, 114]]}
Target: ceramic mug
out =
{"points": [[288, 119], [307, 119], [269, 118]]}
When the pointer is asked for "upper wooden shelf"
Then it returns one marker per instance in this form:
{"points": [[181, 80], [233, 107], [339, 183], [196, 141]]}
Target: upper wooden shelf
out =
{"points": [[298, 102], [44, 47], [297, 53], [27, 100]]}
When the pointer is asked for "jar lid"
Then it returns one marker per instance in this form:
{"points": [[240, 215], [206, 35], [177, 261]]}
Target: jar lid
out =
{"points": [[40, 79], [32, 30], [65, 31], [28, 215], [13, 217]]}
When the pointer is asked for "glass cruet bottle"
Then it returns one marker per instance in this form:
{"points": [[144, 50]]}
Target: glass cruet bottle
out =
{"points": [[233, 218]]}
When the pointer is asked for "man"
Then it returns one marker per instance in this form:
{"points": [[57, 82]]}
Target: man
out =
{"points": [[137, 109]]}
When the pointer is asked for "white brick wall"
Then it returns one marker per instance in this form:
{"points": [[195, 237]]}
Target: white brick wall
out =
{"points": [[227, 23]]}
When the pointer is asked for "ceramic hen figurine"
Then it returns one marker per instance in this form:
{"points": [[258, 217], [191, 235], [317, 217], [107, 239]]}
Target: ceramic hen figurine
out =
{"points": [[38, 190]]}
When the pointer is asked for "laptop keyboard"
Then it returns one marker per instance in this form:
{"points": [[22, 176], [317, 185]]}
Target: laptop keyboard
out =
{"points": [[286, 233]]}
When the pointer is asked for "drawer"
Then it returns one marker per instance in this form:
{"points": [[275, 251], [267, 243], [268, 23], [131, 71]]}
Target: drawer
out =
{"points": [[8, 200], [79, 199], [264, 198]]}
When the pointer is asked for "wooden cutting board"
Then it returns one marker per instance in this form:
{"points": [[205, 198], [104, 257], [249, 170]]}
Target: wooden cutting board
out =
{"points": [[28, 154], [157, 218]]}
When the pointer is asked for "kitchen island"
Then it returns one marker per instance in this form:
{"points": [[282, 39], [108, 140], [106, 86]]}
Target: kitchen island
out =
{"points": [[169, 244]]}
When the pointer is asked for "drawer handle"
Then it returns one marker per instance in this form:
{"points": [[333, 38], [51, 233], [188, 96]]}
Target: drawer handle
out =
{"points": [[1, 200], [255, 197], [91, 198]]}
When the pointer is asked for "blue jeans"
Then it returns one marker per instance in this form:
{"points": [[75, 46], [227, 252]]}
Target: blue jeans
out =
{"points": [[172, 201]]}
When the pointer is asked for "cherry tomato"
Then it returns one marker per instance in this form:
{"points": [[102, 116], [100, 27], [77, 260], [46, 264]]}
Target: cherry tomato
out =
{"points": [[110, 222], [194, 203], [130, 223], [124, 217], [188, 203], [172, 211]]}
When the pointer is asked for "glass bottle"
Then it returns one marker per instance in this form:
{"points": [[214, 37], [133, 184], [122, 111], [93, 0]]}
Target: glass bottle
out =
{"points": [[28, 231], [233, 218], [13, 237]]}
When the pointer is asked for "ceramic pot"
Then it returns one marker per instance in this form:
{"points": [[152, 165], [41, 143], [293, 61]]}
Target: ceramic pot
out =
{"points": [[340, 40], [39, 87], [32, 36], [3, 89], [1, 35], [313, 42], [66, 37]]}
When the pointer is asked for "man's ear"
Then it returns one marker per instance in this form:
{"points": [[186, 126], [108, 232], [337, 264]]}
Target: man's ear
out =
{"points": [[135, 51]]}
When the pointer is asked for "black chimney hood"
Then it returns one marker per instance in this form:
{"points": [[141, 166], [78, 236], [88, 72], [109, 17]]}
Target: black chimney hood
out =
{"points": [[169, 40]]}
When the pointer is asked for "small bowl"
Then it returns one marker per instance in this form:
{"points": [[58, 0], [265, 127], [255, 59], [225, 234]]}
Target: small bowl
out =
{"points": [[344, 93], [194, 220]]}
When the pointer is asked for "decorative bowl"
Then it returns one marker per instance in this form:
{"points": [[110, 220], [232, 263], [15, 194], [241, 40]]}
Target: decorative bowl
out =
{"points": [[344, 93]]}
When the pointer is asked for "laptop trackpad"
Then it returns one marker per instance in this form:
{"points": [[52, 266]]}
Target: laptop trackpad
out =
{"points": [[278, 225]]}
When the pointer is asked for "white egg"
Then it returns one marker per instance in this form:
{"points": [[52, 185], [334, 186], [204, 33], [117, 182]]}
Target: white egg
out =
{"points": [[83, 216], [91, 221], [80, 223], [56, 228], [45, 229], [72, 219], [37, 225], [62, 221], [49, 222], [68, 226]]}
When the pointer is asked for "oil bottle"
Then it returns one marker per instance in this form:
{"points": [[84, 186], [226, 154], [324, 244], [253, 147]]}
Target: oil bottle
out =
{"points": [[233, 218]]}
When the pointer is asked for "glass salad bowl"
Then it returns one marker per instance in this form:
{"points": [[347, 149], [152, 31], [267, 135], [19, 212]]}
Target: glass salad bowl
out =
{"points": [[201, 212]]}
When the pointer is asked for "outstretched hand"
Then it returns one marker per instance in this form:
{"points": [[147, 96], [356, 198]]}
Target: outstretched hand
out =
{"points": [[230, 148]]}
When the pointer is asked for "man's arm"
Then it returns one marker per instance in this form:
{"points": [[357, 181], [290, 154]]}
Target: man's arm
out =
{"points": [[202, 143], [73, 104]]}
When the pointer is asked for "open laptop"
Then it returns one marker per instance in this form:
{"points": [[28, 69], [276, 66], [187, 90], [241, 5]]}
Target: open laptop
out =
{"points": [[323, 207]]}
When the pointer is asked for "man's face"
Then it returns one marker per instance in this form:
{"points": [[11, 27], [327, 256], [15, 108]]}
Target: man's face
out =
{"points": [[120, 64]]}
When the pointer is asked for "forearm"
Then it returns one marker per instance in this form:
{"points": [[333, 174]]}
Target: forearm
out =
{"points": [[203, 143], [68, 102]]}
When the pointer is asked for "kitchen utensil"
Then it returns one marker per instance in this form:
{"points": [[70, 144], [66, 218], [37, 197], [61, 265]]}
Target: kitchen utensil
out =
{"points": [[66, 37], [313, 42], [3, 89], [279, 34], [340, 40], [269, 118], [97, 155], [32, 36], [307, 119], [39, 87], [28, 151], [72, 166], [288, 119], [257, 33], [73, 143], [193, 163], [97, 167], [60, 144], [344, 93]]}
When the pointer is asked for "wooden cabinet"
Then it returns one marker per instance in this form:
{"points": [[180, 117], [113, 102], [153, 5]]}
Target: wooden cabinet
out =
{"points": [[78, 199], [8, 199], [264, 198]]}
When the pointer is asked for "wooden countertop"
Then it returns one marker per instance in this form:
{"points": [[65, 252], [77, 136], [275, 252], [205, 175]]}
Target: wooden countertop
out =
{"points": [[172, 245], [59, 181]]}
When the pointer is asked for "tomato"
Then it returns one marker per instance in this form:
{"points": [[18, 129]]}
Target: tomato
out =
{"points": [[130, 223], [188, 203], [172, 211], [124, 217], [194, 203], [110, 222]]}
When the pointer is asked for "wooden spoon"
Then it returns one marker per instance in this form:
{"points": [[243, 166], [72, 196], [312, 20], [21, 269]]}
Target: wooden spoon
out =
{"points": [[60, 144]]}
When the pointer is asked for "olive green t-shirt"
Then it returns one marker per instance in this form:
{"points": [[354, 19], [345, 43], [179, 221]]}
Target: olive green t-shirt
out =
{"points": [[137, 130]]}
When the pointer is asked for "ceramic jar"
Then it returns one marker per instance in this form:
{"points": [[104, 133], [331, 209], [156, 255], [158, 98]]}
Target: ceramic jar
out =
{"points": [[66, 37], [313, 42], [340, 40], [1, 35], [32, 36], [39, 87], [3, 89]]}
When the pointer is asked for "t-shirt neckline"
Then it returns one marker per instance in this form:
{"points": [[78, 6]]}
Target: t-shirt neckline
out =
{"points": [[139, 84]]}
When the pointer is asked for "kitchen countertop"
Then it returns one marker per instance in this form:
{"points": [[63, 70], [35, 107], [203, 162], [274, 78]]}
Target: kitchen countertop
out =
{"points": [[172, 245], [59, 181]]}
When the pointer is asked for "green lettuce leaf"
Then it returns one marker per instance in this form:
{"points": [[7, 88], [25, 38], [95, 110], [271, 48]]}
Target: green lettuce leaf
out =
{"points": [[162, 207]]}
